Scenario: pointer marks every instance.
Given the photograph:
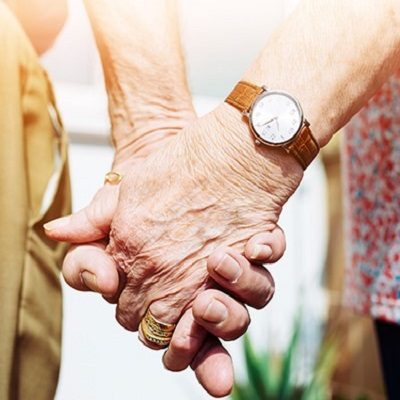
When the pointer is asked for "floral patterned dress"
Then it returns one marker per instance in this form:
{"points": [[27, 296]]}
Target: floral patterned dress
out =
{"points": [[372, 192]]}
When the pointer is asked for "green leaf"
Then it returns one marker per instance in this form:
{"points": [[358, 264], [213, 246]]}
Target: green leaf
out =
{"points": [[239, 392], [255, 371], [243, 392], [286, 387]]}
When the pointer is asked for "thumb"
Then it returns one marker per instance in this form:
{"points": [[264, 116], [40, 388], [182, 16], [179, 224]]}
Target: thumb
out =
{"points": [[90, 267], [89, 224]]}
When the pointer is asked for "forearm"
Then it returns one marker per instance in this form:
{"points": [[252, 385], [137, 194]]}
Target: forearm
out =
{"points": [[332, 56], [144, 70], [42, 20]]}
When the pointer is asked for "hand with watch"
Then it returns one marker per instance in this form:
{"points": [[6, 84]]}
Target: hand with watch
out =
{"points": [[208, 188], [224, 179], [143, 121], [162, 289], [223, 198], [276, 119]]}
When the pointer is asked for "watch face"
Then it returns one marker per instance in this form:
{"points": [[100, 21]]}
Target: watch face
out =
{"points": [[276, 117]]}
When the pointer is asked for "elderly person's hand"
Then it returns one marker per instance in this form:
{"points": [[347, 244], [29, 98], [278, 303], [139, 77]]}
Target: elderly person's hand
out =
{"points": [[206, 188], [194, 342], [210, 187], [89, 267]]}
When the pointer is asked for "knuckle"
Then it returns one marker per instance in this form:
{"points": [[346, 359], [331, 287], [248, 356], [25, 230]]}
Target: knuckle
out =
{"points": [[180, 344], [267, 285], [265, 298], [215, 258], [282, 237], [120, 235], [125, 320], [243, 321], [67, 265], [70, 269], [240, 328]]}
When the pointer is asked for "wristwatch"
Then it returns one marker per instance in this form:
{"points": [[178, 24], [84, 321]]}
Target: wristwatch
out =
{"points": [[276, 119]]}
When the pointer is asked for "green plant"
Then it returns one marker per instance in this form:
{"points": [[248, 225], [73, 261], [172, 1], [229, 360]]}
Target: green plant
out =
{"points": [[272, 376]]}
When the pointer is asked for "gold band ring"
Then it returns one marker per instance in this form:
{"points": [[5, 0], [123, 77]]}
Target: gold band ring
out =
{"points": [[113, 178], [156, 331]]}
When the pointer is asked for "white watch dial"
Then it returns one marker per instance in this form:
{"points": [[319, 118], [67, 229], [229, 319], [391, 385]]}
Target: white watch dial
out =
{"points": [[276, 117]]}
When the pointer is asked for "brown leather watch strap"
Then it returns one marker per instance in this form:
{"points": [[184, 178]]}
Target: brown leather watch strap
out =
{"points": [[243, 95], [304, 147]]}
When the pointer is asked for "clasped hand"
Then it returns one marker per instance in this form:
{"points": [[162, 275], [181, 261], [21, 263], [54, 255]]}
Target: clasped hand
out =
{"points": [[190, 223]]}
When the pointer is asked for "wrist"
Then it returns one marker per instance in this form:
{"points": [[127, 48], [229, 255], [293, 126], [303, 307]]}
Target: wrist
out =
{"points": [[227, 147], [150, 129], [258, 161]]}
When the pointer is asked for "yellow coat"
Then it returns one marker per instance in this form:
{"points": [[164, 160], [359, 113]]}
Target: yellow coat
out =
{"points": [[34, 189]]}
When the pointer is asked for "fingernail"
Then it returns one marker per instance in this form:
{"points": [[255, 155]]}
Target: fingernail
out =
{"points": [[261, 252], [229, 269], [90, 281], [57, 223], [215, 312]]}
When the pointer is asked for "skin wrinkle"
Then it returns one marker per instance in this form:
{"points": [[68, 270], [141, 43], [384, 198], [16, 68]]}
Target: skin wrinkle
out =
{"points": [[145, 74], [324, 105], [254, 173], [217, 154], [165, 268], [170, 283], [367, 45], [171, 263], [177, 297]]}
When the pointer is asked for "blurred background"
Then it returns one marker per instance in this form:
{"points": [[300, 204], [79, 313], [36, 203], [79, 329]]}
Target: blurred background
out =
{"points": [[100, 360]]}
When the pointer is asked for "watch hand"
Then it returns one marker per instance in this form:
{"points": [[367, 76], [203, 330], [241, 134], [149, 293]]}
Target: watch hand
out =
{"points": [[277, 123], [266, 123]]}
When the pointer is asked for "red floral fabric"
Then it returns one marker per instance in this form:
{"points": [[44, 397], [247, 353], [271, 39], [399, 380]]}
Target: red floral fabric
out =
{"points": [[372, 192]]}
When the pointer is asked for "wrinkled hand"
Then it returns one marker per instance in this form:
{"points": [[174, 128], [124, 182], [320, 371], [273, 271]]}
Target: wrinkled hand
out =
{"points": [[195, 342], [211, 361], [196, 194], [89, 267], [204, 353]]}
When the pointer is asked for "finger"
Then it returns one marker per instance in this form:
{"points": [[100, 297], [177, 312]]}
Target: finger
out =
{"points": [[251, 284], [138, 298], [213, 368], [163, 312], [220, 315], [191, 345], [89, 224], [229, 323], [266, 247], [89, 267], [186, 342]]}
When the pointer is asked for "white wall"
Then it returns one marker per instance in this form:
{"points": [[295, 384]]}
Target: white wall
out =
{"points": [[220, 39]]}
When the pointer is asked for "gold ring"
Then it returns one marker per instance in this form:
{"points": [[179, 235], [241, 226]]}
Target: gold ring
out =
{"points": [[156, 331], [112, 178]]}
